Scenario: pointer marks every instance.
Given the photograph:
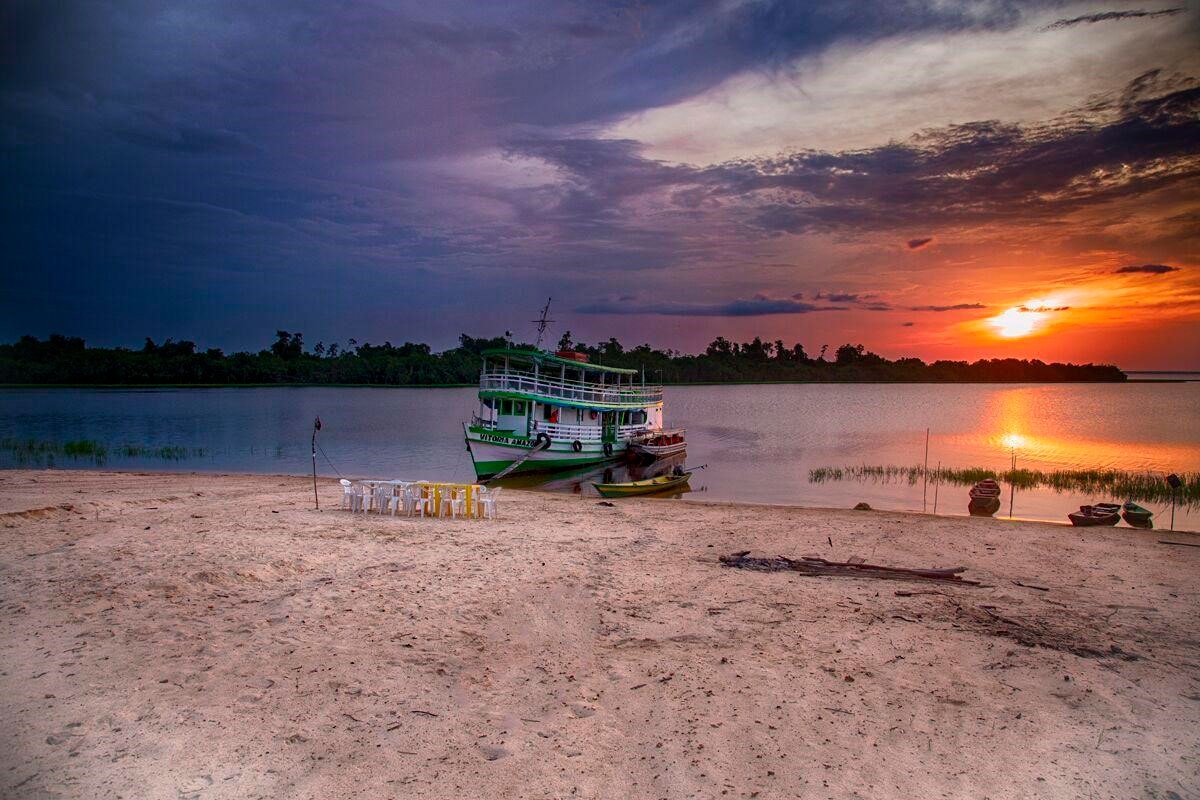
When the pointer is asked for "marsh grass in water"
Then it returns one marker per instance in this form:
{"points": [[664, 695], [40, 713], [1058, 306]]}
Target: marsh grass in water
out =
{"points": [[34, 451], [1119, 484]]}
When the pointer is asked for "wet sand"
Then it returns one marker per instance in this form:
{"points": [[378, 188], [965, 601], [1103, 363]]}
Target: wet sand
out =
{"points": [[209, 636]]}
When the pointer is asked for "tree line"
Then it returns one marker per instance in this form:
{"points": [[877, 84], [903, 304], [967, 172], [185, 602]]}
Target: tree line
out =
{"points": [[67, 360]]}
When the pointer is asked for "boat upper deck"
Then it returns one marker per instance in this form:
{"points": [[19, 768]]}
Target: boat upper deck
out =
{"points": [[541, 376]]}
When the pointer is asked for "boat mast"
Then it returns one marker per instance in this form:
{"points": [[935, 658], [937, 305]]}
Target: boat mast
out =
{"points": [[543, 323]]}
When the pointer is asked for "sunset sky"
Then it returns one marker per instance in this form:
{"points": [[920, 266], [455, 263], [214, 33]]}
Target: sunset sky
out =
{"points": [[944, 180]]}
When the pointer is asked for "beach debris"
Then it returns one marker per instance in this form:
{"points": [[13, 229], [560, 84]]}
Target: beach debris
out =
{"points": [[1033, 586], [605, 503], [1180, 544], [863, 507], [853, 567]]}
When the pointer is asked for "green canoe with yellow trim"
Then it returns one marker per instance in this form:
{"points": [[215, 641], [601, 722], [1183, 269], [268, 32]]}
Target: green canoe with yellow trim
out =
{"points": [[661, 483]]}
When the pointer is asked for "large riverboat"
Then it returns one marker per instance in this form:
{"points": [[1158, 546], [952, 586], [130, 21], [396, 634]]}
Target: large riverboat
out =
{"points": [[540, 412]]}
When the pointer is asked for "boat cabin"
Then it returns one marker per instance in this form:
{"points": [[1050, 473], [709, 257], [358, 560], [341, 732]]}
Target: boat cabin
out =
{"points": [[525, 393]]}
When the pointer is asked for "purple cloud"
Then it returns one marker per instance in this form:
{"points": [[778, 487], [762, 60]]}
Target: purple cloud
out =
{"points": [[753, 307], [956, 307], [1150, 269], [1107, 16]]}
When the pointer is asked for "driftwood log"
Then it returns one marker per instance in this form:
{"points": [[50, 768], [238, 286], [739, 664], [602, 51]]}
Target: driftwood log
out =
{"points": [[853, 568]]}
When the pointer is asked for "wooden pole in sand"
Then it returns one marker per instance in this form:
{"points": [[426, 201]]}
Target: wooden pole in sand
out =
{"points": [[316, 427], [925, 473]]}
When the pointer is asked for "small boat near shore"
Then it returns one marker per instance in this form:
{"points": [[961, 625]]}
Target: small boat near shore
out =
{"points": [[654, 485], [1094, 515], [659, 444], [985, 498], [1135, 515]]}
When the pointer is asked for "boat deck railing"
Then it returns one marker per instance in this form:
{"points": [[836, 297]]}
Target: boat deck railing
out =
{"points": [[560, 432], [577, 391], [585, 433]]}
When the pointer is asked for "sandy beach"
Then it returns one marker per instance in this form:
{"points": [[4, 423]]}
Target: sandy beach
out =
{"points": [[212, 636]]}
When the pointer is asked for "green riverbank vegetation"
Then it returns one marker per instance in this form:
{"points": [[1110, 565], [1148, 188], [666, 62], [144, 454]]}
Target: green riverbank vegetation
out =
{"points": [[68, 361], [34, 452], [1115, 484]]}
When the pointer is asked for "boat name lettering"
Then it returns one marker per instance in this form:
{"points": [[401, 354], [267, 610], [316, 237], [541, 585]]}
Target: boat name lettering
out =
{"points": [[491, 437]]}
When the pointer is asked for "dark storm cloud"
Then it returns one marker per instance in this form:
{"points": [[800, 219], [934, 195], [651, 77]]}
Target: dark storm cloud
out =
{"points": [[867, 302], [753, 307], [1107, 16], [1122, 146], [917, 244], [956, 307], [1151, 269]]}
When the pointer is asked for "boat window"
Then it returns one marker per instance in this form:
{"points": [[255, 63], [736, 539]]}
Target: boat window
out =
{"points": [[487, 403], [519, 407]]}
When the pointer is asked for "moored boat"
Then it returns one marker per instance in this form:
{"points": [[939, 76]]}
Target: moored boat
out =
{"points": [[1137, 516], [543, 412], [659, 444], [985, 498], [654, 485], [985, 488], [1099, 514]]}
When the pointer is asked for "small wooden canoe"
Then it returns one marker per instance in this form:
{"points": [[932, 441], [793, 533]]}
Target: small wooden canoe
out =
{"points": [[986, 488], [1088, 516], [661, 483], [1137, 516]]}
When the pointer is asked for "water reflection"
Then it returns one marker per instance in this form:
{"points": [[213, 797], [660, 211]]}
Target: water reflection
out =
{"points": [[580, 481], [759, 442]]}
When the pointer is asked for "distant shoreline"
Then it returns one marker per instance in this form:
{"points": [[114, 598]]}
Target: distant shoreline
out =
{"points": [[475, 385]]}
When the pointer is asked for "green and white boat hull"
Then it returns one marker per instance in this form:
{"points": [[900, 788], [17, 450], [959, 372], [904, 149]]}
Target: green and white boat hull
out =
{"points": [[493, 452]]}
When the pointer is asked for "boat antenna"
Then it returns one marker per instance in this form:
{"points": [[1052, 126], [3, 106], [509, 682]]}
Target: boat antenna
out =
{"points": [[543, 323]]}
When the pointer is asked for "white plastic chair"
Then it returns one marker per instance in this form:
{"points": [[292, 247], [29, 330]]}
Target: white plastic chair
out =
{"points": [[454, 502], [382, 497], [347, 494], [486, 502], [397, 500], [417, 500]]}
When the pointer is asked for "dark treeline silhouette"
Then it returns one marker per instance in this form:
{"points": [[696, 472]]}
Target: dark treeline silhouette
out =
{"points": [[68, 361]]}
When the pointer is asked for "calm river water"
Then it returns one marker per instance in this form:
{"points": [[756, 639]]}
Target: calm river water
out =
{"points": [[759, 442]]}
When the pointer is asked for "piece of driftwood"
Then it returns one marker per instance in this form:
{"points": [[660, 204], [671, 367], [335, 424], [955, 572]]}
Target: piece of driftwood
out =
{"points": [[853, 568], [1178, 544]]}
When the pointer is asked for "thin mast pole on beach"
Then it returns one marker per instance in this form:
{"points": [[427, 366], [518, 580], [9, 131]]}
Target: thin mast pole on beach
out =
{"points": [[937, 481], [1012, 487], [925, 473], [316, 427]]}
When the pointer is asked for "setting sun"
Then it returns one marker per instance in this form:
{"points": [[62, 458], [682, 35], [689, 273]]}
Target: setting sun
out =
{"points": [[1015, 322], [1014, 440]]}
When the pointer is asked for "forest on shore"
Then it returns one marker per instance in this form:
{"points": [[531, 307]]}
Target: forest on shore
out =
{"points": [[68, 361]]}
